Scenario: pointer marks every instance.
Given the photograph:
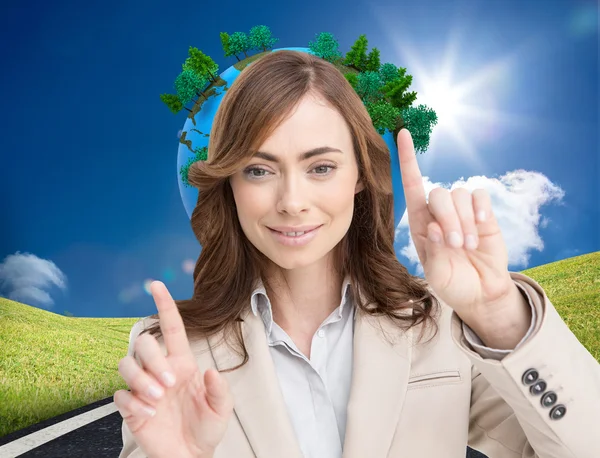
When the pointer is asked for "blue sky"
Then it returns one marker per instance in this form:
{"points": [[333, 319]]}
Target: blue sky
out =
{"points": [[91, 209]]}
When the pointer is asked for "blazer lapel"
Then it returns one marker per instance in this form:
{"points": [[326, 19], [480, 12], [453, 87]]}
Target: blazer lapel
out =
{"points": [[259, 404], [379, 381]]}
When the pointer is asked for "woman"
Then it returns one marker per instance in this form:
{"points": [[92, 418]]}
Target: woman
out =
{"points": [[307, 337]]}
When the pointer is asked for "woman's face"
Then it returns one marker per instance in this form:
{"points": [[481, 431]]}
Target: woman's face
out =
{"points": [[287, 188]]}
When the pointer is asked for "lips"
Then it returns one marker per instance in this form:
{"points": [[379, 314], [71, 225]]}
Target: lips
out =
{"points": [[297, 238], [294, 230], [293, 234]]}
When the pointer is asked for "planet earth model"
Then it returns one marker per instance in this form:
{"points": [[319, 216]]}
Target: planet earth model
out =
{"points": [[196, 137]]}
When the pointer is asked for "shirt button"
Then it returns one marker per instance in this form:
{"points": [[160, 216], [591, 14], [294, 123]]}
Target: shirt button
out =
{"points": [[321, 333]]}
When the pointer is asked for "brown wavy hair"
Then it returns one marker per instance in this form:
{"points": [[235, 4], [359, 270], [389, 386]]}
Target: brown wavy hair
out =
{"points": [[260, 98]]}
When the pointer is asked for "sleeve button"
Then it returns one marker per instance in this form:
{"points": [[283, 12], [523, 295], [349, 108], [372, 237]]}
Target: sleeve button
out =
{"points": [[538, 388], [548, 399], [530, 376], [558, 412]]}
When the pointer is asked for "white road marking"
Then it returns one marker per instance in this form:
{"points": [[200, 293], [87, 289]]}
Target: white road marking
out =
{"points": [[33, 440]]}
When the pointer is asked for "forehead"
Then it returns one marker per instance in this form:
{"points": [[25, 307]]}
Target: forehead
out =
{"points": [[312, 123]]}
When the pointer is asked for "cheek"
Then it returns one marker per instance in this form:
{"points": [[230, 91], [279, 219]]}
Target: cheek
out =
{"points": [[251, 201], [339, 195], [339, 208]]}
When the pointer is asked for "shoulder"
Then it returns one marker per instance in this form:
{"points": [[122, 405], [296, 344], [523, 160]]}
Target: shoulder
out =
{"points": [[200, 346], [137, 328]]}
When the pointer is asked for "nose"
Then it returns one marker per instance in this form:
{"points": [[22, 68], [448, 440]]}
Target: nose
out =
{"points": [[292, 195]]}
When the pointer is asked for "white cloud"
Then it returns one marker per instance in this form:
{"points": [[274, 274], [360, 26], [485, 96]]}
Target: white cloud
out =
{"points": [[516, 199], [26, 278]]}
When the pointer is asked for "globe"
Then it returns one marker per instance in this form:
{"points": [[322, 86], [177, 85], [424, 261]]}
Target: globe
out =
{"points": [[196, 136]]}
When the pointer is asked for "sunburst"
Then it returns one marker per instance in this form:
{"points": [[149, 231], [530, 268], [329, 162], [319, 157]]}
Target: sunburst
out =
{"points": [[467, 108]]}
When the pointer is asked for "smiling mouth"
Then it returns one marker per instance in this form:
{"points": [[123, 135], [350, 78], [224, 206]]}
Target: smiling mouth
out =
{"points": [[294, 234]]}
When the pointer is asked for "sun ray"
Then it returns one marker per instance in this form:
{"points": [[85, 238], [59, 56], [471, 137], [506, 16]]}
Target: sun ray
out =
{"points": [[502, 117], [499, 69], [469, 109]]}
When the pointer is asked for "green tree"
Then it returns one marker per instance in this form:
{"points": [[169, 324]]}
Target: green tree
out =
{"points": [[200, 154], [388, 72], [383, 115], [373, 61], [419, 121], [368, 86], [173, 103], [325, 46], [239, 42], [395, 90], [225, 43], [261, 38], [201, 64], [187, 84], [357, 56], [352, 79]]}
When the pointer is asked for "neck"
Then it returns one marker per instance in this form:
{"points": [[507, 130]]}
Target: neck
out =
{"points": [[303, 298]]}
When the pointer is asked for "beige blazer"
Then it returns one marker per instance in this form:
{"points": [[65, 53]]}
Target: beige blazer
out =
{"points": [[426, 400]]}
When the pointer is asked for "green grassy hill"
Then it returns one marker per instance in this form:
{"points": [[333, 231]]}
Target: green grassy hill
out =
{"points": [[573, 286], [51, 364]]}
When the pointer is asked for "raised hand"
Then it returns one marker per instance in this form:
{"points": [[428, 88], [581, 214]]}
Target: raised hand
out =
{"points": [[191, 416], [458, 242]]}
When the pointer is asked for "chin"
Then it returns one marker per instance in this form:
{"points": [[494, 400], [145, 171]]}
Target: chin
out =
{"points": [[290, 258], [292, 261]]}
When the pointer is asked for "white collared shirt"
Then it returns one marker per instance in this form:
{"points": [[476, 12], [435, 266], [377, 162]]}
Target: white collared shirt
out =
{"points": [[316, 391]]}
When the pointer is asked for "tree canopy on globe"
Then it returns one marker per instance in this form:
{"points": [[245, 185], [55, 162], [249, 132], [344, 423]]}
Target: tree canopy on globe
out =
{"points": [[383, 88]]}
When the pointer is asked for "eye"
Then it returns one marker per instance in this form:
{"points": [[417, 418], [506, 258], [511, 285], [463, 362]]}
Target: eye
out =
{"points": [[255, 172], [324, 169]]}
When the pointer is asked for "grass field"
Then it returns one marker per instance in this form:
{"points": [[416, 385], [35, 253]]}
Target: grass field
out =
{"points": [[51, 364], [573, 286]]}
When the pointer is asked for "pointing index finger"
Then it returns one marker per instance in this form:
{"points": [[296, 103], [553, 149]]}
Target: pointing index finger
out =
{"points": [[412, 181], [171, 324]]}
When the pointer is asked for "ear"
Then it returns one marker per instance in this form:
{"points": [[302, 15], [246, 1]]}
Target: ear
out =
{"points": [[359, 186]]}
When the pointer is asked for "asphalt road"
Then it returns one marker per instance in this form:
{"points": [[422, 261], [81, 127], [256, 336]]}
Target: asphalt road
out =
{"points": [[93, 431]]}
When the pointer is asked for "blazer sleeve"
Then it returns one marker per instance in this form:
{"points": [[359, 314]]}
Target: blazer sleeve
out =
{"points": [[543, 398], [493, 353], [130, 447]]}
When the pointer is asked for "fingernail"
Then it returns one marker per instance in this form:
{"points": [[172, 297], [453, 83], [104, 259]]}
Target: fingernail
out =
{"points": [[454, 239], [481, 216], [470, 242], [155, 391], [168, 378], [150, 411]]}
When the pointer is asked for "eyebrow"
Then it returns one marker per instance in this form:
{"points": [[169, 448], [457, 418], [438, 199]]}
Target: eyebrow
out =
{"points": [[302, 156]]}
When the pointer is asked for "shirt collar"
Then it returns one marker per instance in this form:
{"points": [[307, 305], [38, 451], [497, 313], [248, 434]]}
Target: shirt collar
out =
{"points": [[261, 305]]}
